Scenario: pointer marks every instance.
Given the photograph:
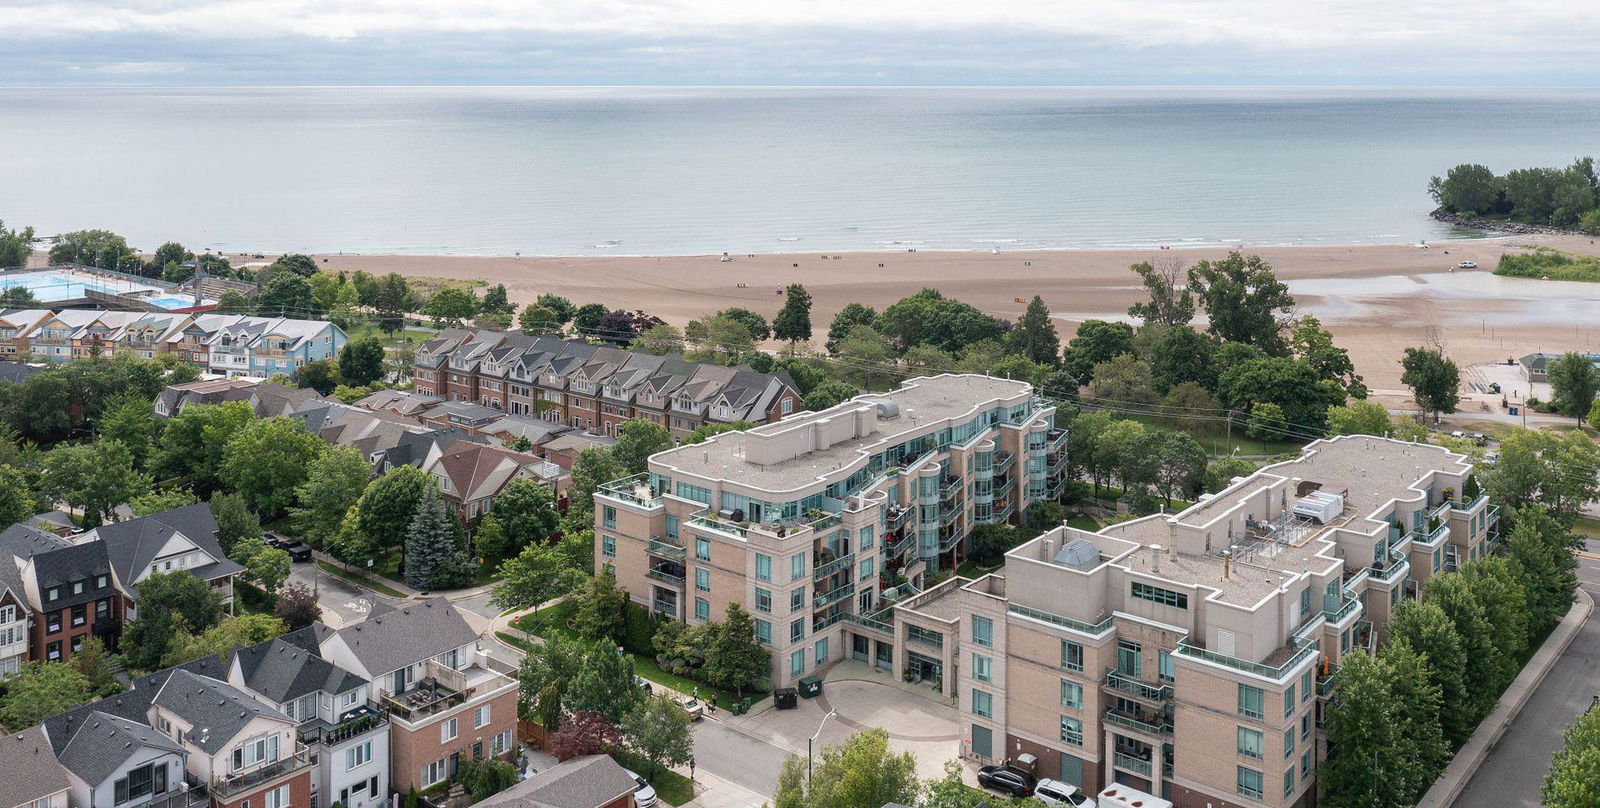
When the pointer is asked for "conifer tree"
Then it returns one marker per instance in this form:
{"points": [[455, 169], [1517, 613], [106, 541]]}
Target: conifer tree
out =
{"points": [[1035, 335], [433, 543]]}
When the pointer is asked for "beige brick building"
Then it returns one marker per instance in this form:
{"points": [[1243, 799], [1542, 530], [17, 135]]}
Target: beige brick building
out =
{"points": [[823, 519], [1188, 654]]}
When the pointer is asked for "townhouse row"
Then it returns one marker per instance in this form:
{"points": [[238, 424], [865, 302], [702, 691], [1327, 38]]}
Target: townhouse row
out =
{"points": [[819, 521], [595, 387], [314, 718], [223, 344]]}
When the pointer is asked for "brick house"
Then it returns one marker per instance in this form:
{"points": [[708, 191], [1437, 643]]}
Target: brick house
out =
{"points": [[53, 595]]}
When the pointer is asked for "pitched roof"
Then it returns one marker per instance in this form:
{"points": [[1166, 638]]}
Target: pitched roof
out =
{"points": [[281, 671], [96, 743], [216, 710], [23, 542], [19, 371], [30, 766], [582, 782], [392, 640], [64, 565], [476, 470], [133, 544]]}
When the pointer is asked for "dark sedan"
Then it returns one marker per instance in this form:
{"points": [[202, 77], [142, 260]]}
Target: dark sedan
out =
{"points": [[1006, 780]]}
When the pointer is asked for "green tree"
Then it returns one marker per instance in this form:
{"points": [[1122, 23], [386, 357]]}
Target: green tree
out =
{"points": [[703, 433], [128, 418], [1180, 464], [537, 575], [535, 320], [752, 322], [1558, 470], [543, 678], [929, 318], [592, 468], [193, 443], [95, 248], [495, 299], [636, 441], [861, 771], [658, 729], [298, 263], [526, 509], [865, 357], [598, 608], [333, 485], [1574, 777], [1433, 379], [268, 460], [392, 298], [489, 540], [586, 318], [19, 297], [793, 322], [16, 496], [1542, 548], [169, 602], [827, 395], [1221, 471], [1454, 596], [98, 666], [1417, 710], [720, 338], [361, 361], [388, 505], [852, 315], [1243, 299], [264, 567], [1122, 380], [1496, 584], [1182, 354], [451, 306], [1096, 341], [605, 684], [991, 541], [1035, 335], [563, 307], [39, 690], [170, 253], [161, 501], [659, 340], [235, 522], [1426, 629], [433, 544], [15, 246], [221, 639], [1171, 302], [1359, 418], [1267, 422], [1574, 382], [1363, 725], [736, 659], [1289, 383], [321, 376], [353, 545], [1468, 188], [287, 295], [95, 478]]}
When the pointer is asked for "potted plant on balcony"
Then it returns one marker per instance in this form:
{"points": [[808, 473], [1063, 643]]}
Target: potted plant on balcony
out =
{"points": [[908, 676]]}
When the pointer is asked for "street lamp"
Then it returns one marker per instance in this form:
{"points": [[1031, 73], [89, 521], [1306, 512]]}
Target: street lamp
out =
{"points": [[813, 739]]}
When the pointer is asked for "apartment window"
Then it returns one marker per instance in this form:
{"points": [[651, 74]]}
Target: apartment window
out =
{"points": [[866, 538], [866, 569], [982, 631], [52, 651], [1071, 730], [764, 632], [1071, 656], [797, 567], [797, 663], [498, 744], [982, 668], [1305, 685], [1250, 701], [702, 549], [763, 600], [763, 567], [1305, 603], [1249, 782], [797, 599], [77, 643], [1156, 594], [1288, 781], [348, 700], [77, 587], [982, 704], [1288, 742], [1130, 659], [1305, 764], [480, 717], [357, 755], [1288, 701], [608, 546], [52, 594], [1249, 742], [702, 580], [822, 650], [447, 730], [672, 527], [144, 781], [80, 614], [433, 773], [53, 623], [1071, 694], [1305, 727], [102, 608], [1164, 665], [702, 609], [608, 517], [797, 630]]}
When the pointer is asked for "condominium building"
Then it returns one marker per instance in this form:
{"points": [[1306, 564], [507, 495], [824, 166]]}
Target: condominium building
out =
{"points": [[823, 518], [1189, 654], [595, 387]]}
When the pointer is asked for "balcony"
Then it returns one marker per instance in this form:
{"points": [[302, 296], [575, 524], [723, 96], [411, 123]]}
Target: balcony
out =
{"points": [[707, 520], [1130, 686], [827, 568], [895, 548], [828, 599], [1298, 651], [1129, 763], [634, 490], [665, 576], [1389, 574], [870, 623], [949, 489], [1344, 611], [666, 548], [1491, 516], [225, 788], [1056, 441], [1093, 629], [1147, 723], [444, 688], [896, 516], [355, 722], [949, 516], [186, 795], [1055, 463], [1003, 461]]}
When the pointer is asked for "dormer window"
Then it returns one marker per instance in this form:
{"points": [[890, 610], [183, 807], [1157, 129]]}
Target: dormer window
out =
{"points": [[52, 594], [77, 587]]}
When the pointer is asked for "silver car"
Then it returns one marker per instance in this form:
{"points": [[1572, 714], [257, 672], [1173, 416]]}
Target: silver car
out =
{"points": [[645, 795]]}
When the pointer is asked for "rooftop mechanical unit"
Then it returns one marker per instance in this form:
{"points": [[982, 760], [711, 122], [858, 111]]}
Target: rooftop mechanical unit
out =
{"points": [[1319, 506]]}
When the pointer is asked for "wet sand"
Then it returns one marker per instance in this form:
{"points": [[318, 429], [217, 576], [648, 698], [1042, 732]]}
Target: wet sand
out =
{"points": [[1376, 299]]}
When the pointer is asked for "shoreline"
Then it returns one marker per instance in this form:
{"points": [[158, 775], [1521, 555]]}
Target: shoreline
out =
{"points": [[1376, 299]]}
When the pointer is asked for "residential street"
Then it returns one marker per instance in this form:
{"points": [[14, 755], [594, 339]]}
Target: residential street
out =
{"points": [[737, 756], [1514, 770], [342, 602]]}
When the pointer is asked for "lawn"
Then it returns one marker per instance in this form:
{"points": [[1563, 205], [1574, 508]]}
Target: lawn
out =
{"points": [[551, 621], [671, 787], [1220, 444], [1587, 527], [389, 567], [360, 580]]}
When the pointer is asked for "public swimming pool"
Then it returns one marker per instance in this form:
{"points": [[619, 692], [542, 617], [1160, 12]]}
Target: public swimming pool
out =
{"points": [[55, 285]]}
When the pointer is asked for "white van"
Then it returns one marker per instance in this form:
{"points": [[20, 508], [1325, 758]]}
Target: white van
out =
{"points": [[1121, 796], [1056, 792]]}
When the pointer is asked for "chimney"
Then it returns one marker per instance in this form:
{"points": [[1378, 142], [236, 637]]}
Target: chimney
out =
{"points": [[1155, 558], [1227, 555]]}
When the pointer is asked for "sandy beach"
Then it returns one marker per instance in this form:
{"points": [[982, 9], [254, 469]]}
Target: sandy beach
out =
{"points": [[1377, 299]]}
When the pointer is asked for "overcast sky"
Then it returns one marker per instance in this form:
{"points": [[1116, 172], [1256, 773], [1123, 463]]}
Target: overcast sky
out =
{"points": [[199, 42]]}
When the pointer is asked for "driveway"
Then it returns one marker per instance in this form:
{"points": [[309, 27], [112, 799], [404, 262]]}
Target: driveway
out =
{"points": [[1515, 768], [342, 602]]}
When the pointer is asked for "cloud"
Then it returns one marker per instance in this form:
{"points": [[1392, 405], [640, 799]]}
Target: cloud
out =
{"points": [[753, 40]]}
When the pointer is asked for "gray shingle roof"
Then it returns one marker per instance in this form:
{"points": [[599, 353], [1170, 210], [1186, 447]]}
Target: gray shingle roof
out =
{"points": [[30, 766], [216, 710], [102, 741], [23, 542], [582, 782], [282, 671], [133, 544], [392, 640]]}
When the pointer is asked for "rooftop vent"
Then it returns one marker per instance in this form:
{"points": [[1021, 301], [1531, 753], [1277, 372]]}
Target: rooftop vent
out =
{"points": [[1078, 554]]}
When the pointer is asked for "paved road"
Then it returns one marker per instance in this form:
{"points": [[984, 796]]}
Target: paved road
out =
{"points": [[342, 602], [1515, 768], [738, 757]]}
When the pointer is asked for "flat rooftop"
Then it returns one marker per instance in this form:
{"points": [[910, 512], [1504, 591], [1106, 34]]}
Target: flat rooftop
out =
{"points": [[917, 405]]}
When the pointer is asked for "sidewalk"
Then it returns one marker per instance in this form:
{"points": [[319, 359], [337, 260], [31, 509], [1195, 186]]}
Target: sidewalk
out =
{"points": [[366, 580], [712, 791]]}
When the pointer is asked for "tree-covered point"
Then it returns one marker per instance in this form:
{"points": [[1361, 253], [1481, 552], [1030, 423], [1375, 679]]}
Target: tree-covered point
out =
{"points": [[1562, 197]]}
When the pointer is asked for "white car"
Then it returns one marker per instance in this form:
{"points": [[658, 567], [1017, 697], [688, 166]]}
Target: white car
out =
{"points": [[1056, 792], [1468, 265], [645, 795]]}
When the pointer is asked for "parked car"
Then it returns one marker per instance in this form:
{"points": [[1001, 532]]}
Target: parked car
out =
{"points": [[274, 540], [645, 795], [1468, 265], [298, 551], [692, 708], [1056, 792], [1006, 780]]}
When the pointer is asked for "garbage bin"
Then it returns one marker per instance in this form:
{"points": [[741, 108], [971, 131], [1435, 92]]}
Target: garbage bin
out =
{"points": [[811, 687], [785, 698]]}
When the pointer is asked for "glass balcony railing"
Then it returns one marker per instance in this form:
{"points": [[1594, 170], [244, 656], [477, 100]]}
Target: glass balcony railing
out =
{"points": [[356, 722], [1131, 686], [825, 600], [704, 518], [666, 548], [1344, 611], [664, 576], [823, 570], [1303, 649], [1148, 723], [634, 490], [871, 623], [1395, 570], [1003, 461], [247, 781], [1129, 763], [1056, 441], [1055, 619]]}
